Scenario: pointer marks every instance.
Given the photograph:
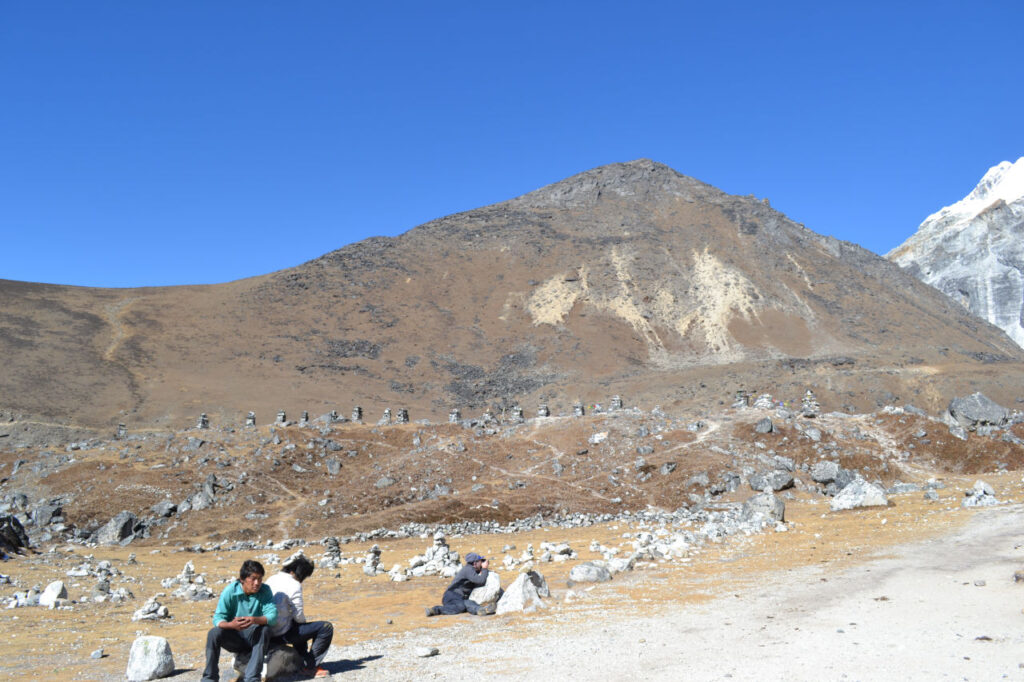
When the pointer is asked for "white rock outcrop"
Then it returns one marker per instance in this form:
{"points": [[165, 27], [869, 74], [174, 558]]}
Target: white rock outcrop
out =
{"points": [[150, 659]]}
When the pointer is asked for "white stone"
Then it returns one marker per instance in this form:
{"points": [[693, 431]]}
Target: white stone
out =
{"points": [[150, 658], [52, 593], [523, 595], [489, 591], [859, 493]]}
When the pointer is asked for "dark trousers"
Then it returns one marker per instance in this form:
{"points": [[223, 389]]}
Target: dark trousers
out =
{"points": [[252, 641], [453, 603], [299, 634]]}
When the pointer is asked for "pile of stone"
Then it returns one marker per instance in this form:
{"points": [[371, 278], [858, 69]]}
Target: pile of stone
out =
{"points": [[809, 406], [556, 552], [371, 565], [980, 494], [189, 585], [151, 610], [438, 559], [331, 558]]}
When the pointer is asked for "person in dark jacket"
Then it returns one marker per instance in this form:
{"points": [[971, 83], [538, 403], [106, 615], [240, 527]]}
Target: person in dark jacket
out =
{"points": [[456, 597]]}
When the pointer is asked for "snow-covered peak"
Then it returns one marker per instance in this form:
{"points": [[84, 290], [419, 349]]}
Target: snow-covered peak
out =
{"points": [[1004, 181]]}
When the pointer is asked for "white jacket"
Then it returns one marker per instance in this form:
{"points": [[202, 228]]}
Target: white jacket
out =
{"points": [[288, 600]]}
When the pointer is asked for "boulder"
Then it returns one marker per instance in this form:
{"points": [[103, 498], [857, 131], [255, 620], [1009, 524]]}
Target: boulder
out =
{"points": [[824, 472], [777, 479], [52, 593], [980, 495], [590, 572], [977, 410], [764, 507], [164, 509], [859, 493], [117, 529], [150, 659], [764, 426], [524, 594], [13, 537], [489, 592], [281, 662]]}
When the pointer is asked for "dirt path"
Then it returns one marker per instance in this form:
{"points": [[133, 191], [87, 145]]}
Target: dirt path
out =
{"points": [[945, 608]]}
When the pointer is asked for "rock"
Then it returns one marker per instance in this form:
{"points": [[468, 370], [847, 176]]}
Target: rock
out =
{"points": [[97, 654], [13, 537], [980, 495], [977, 410], [598, 438], [590, 572], [52, 593], [118, 530], [931, 495], [333, 466], [772, 480], [859, 493], [282, 661], [524, 594], [764, 426], [150, 659], [488, 592], [824, 472], [384, 482], [764, 507], [667, 468], [164, 509], [426, 651]]}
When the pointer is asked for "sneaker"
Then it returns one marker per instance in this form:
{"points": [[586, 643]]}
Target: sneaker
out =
{"points": [[487, 609], [431, 611], [316, 671]]}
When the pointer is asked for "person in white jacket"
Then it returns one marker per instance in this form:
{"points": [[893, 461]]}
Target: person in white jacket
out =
{"points": [[291, 626]]}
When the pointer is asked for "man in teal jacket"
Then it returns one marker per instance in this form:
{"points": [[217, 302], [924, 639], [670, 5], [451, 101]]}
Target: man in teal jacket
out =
{"points": [[245, 609]]}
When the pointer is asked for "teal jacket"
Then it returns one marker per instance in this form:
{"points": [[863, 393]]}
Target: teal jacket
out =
{"points": [[235, 602]]}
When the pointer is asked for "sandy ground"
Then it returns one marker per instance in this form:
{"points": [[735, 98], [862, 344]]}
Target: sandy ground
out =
{"points": [[944, 608]]}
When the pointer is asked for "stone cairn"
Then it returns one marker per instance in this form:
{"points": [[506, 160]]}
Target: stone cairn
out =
{"points": [[204, 422], [122, 431], [332, 417], [386, 419], [190, 586], [357, 414], [543, 410], [331, 558], [764, 402], [250, 419], [517, 414], [372, 565], [305, 418], [616, 403], [454, 417], [281, 417], [742, 400], [578, 409], [487, 418], [809, 406], [151, 610], [403, 416]]}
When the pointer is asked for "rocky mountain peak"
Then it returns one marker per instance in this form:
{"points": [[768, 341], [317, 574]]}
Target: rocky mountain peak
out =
{"points": [[973, 250], [641, 179]]}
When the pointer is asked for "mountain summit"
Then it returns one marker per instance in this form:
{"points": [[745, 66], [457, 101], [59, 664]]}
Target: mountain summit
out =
{"points": [[628, 279], [973, 251]]}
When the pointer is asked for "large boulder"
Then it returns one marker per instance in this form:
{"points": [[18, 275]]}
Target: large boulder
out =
{"points": [[980, 495], [765, 507], [117, 530], [150, 659], [824, 472], [859, 493], [281, 662], [524, 594], [778, 479], [590, 572], [13, 537], [489, 592], [977, 410], [52, 593]]}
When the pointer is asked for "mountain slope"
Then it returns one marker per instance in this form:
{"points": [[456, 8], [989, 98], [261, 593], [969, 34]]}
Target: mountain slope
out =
{"points": [[629, 279]]}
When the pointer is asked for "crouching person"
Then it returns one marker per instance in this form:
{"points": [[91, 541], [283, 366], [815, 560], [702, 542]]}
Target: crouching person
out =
{"points": [[244, 612], [292, 626], [456, 597]]}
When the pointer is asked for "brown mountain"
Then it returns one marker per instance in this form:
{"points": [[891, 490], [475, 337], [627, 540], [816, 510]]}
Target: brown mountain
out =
{"points": [[627, 279]]}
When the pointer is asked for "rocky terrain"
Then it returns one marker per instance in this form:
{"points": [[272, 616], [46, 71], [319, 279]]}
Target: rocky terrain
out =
{"points": [[973, 251]]}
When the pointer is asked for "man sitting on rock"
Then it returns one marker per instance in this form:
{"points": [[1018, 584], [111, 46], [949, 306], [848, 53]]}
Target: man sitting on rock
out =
{"points": [[291, 624], [456, 597], [245, 609]]}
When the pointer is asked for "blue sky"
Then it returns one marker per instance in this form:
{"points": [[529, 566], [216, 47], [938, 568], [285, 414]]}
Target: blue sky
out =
{"points": [[154, 143]]}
